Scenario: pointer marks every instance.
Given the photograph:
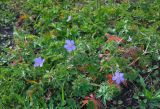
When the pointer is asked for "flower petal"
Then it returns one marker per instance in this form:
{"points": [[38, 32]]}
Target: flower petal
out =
{"points": [[122, 79], [118, 81], [73, 47], [69, 50], [65, 46], [72, 42], [121, 74], [68, 41], [114, 78], [117, 73]]}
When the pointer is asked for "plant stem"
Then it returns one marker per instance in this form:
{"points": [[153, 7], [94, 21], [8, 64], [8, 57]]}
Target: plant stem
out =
{"points": [[93, 84]]}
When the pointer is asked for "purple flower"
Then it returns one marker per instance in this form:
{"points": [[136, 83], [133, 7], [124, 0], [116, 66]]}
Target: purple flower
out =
{"points": [[69, 18], [69, 46], [38, 62], [118, 77]]}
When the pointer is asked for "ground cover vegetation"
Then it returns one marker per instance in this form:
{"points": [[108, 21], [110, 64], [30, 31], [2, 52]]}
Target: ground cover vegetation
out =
{"points": [[71, 54]]}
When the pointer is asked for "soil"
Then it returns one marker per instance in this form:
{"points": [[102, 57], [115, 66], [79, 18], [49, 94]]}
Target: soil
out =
{"points": [[125, 98], [6, 37]]}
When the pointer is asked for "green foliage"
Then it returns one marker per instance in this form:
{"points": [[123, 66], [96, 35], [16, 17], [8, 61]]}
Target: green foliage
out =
{"points": [[81, 86], [107, 92], [65, 79], [5, 12]]}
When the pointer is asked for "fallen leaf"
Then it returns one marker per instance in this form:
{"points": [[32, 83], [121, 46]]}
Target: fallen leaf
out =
{"points": [[93, 99], [107, 51], [14, 63], [83, 68], [109, 78], [31, 81], [48, 95], [129, 52], [114, 38], [21, 20], [30, 93]]}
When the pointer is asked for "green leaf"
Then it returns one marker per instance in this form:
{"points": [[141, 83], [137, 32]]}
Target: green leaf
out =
{"points": [[142, 82]]}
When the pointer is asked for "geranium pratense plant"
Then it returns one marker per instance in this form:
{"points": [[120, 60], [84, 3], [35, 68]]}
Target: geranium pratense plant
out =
{"points": [[118, 77], [70, 45], [38, 62]]}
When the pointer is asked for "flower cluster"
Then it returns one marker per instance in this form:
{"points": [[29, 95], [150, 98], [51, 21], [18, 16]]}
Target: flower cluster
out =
{"points": [[69, 46], [118, 77]]}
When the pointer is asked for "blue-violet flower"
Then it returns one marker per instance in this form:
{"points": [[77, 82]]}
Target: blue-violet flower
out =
{"points": [[69, 46], [118, 77], [38, 62]]}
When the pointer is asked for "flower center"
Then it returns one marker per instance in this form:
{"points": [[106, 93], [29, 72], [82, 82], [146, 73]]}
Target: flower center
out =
{"points": [[70, 45]]}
